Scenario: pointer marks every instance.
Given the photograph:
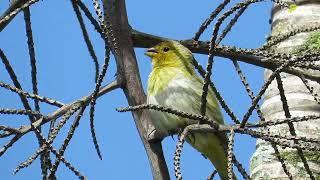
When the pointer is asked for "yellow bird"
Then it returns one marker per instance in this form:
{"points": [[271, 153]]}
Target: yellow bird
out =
{"points": [[173, 82]]}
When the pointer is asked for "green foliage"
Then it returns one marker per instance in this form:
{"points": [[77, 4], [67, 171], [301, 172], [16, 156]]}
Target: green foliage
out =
{"points": [[312, 44], [294, 159]]}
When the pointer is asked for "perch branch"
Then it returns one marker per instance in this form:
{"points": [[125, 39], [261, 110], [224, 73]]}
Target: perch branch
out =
{"points": [[144, 40]]}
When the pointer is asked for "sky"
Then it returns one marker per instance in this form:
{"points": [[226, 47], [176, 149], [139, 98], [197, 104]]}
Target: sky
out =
{"points": [[66, 73]]}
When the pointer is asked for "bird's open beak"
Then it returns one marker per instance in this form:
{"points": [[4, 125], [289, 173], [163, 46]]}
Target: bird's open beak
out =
{"points": [[151, 52]]}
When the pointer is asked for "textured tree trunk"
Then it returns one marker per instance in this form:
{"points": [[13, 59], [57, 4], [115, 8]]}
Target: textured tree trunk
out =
{"points": [[264, 163], [127, 67]]}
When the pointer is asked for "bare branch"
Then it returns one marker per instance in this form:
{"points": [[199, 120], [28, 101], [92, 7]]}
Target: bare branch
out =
{"points": [[212, 175], [217, 93], [86, 36], [67, 140], [50, 140], [30, 95], [20, 112], [13, 10], [240, 168], [122, 48], [287, 113], [144, 40], [284, 121], [61, 111], [230, 154], [171, 111], [207, 22], [9, 144]]}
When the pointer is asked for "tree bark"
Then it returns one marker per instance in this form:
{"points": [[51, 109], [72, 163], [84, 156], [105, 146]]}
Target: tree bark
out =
{"points": [[264, 163], [122, 47]]}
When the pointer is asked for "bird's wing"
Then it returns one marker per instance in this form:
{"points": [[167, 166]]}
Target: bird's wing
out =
{"points": [[185, 94]]}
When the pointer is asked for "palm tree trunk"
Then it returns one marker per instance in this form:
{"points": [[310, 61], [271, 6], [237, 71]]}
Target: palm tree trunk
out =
{"points": [[264, 162]]}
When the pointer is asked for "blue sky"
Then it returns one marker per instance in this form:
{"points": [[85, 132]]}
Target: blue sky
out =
{"points": [[66, 73]]}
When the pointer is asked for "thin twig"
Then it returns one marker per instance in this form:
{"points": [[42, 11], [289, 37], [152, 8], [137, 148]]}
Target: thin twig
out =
{"points": [[61, 111], [44, 158], [86, 38], [13, 10], [91, 18], [54, 151], [207, 22], [20, 112], [9, 144], [66, 141], [240, 168], [211, 176], [32, 96], [50, 140], [216, 92], [177, 153], [263, 89], [284, 121], [310, 88], [262, 119], [169, 110], [291, 126], [230, 154], [231, 24], [277, 38], [24, 101], [94, 98]]}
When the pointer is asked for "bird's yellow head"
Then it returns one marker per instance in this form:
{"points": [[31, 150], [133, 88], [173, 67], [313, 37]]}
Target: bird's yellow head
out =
{"points": [[170, 54]]}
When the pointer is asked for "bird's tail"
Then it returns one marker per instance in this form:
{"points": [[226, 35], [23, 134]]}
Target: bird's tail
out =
{"points": [[213, 147]]}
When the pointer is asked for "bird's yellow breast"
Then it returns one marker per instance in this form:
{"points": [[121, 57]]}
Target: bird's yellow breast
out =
{"points": [[160, 77]]}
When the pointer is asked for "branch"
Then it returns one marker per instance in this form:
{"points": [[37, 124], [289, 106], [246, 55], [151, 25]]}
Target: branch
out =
{"points": [[144, 40], [30, 95], [61, 111], [119, 32], [15, 7]]}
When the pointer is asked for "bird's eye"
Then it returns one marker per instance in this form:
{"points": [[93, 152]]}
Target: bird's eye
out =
{"points": [[166, 49]]}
